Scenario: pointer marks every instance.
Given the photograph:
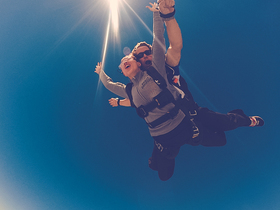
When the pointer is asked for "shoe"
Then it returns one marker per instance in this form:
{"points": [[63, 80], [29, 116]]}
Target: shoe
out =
{"points": [[256, 121]]}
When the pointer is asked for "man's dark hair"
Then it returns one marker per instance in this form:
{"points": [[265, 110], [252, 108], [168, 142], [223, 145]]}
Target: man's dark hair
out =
{"points": [[140, 44]]}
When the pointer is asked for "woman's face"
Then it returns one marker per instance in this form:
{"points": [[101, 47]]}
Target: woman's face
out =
{"points": [[129, 66]]}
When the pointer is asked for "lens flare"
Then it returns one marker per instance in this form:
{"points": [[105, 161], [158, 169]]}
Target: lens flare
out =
{"points": [[150, 31], [106, 41], [114, 5]]}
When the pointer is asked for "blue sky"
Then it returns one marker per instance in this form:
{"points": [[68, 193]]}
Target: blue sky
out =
{"points": [[63, 147]]}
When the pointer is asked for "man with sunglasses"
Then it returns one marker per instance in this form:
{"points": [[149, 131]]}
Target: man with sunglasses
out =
{"points": [[143, 52], [170, 124]]}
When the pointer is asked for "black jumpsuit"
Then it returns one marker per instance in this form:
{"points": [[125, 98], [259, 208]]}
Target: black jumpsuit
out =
{"points": [[211, 133]]}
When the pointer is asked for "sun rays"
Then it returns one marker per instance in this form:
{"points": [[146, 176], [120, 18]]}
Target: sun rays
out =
{"points": [[114, 10]]}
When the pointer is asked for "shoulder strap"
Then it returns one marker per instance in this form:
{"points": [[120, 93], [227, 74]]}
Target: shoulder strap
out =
{"points": [[158, 79], [128, 89]]}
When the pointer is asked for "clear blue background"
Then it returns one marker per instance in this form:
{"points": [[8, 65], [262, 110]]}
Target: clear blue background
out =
{"points": [[63, 147]]}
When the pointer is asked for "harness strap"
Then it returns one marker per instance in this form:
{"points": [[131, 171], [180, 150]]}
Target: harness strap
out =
{"points": [[158, 79], [162, 99], [189, 109], [128, 89], [169, 115]]}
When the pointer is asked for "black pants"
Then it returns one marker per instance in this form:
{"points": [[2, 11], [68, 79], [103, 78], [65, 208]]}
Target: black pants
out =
{"points": [[211, 128]]}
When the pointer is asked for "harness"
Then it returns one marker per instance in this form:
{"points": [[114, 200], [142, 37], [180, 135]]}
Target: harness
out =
{"points": [[162, 99]]}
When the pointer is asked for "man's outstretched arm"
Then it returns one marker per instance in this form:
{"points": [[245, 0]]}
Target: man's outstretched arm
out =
{"points": [[173, 54]]}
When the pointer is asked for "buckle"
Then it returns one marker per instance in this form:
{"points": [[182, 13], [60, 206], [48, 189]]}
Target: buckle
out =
{"points": [[195, 132], [163, 98], [159, 146], [141, 112], [150, 125], [157, 102], [193, 114], [173, 112]]}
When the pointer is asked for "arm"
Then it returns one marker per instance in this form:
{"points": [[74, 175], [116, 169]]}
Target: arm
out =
{"points": [[174, 34], [158, 46], [124, 102], [173, 54], [158, 24], [115, 87]]}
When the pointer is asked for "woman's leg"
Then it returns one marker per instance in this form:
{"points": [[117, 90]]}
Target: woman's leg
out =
{"points": [[167, 147], [163, 160]]}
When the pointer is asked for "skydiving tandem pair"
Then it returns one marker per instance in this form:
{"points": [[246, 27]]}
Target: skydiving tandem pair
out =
{"points": [[162, 98]]}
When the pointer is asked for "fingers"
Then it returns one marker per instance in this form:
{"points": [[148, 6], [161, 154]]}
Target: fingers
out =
{"points": [[166, 3], [166, 6], [98, 67], [150, 8], [169, 3], [113, 102], [153, 7]]}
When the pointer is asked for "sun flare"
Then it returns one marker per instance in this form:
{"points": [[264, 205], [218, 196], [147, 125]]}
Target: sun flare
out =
{"points": [[114, 9]]}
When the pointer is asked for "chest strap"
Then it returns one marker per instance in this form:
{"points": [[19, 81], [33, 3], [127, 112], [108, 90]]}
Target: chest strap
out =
{"points": [[169, 115], [162, 99]]}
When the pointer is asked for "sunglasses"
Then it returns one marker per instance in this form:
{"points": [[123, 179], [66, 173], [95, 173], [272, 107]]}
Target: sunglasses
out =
{"points": [[141, 54]]}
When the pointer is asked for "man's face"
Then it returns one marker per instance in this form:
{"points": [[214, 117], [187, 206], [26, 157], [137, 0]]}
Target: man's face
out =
{"points": [[144, 59]]}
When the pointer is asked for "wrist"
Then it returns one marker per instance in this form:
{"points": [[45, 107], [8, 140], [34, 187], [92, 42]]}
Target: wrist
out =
{"points": [[167, 16], [167, 19], [118, 101]]}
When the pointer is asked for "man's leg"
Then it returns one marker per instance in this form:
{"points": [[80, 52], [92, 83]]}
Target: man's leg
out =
{"points": [[223, 122]]}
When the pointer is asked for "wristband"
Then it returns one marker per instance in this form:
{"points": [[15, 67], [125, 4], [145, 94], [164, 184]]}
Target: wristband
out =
{"points": [[118, 101], [169, 15], [167, 19]]}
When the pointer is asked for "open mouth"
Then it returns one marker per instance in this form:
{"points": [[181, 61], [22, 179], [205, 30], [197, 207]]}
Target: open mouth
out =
{"points": [[148, 62]]}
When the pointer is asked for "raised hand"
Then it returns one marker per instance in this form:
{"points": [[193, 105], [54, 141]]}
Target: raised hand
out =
{"points": [[153, 7], [98, 68], [166, 6]]}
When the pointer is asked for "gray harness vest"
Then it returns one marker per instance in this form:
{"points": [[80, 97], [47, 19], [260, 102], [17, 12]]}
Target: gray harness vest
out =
{"points": [[163, 98]]}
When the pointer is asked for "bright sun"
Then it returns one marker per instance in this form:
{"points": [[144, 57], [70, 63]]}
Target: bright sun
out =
{"points": [[113, 23], [114, 5]]}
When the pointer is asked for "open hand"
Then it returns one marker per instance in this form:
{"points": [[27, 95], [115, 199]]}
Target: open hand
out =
{"points": [[98, 68], [153, 7]]}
